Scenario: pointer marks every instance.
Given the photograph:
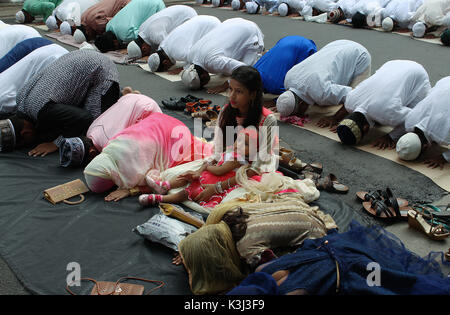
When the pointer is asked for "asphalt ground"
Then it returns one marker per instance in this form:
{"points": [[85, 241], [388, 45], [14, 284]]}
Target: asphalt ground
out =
{"points": [[357, 169]]}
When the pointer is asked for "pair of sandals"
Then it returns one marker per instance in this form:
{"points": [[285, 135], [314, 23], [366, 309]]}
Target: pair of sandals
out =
{"points": [[311, 171], [174, 103], [384, 205]]}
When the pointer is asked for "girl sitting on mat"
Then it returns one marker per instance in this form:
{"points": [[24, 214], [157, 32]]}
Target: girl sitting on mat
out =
{"points": [[219, 175]]}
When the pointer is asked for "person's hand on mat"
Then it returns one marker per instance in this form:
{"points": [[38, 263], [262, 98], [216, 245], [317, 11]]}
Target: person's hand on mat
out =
{"points": [[208, 192], [177, 260], [175, 71], [218, 89], [435, 161], [329, 122], [118, 194], [43, 149], [384, 142]]}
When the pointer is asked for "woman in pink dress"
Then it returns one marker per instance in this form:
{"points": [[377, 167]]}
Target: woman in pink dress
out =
{"points": [[152, 145]]}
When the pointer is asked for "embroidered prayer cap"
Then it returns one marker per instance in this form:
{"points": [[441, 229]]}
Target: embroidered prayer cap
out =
{"points": [[215, 3], [20, 17], [409, 146], [7, 136], [387, 24], [419, 29], [65, 28], [78, 36], [133, 50], [334, 16], [283, 9], [71, 152], [51, 23], [154, 62], [286, 103], [350, 129], [190, 77], [445, 37]]}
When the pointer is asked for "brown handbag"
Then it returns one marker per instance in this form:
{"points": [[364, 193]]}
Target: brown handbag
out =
{"points": [[66, 191], [118, 287]]}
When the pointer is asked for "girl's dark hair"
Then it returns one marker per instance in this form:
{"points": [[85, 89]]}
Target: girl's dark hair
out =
{"points": [[251, 79]]}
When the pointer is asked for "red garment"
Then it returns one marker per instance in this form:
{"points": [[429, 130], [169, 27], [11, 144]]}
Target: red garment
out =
{"points": [[98, 15]]}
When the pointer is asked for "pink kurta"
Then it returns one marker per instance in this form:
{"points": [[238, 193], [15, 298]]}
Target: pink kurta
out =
{"points": [[128, 110], [154, 144]]}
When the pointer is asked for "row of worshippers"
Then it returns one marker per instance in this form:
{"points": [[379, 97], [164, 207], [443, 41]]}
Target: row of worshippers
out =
{"points": [[344, 64], [419, 16]]}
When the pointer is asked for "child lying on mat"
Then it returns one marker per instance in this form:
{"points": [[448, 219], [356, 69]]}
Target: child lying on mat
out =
{"points": [[219, 175]]}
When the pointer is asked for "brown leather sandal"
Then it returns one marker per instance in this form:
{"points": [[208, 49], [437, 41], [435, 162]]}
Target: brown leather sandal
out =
{"points": [[330, 183]]}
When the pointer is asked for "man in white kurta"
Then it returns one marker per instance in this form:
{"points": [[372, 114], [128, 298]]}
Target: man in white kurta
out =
{"points": [[235, 42], [400, 12], [388, 96], [18, 74], [14, 34], [432, 117], [286, 7], [432, 13], [324, 78], [69, 11], [177, 45], [156, 28]]}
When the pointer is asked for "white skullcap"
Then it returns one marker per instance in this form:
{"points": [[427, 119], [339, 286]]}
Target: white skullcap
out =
{"points": [[79, 37], [409, 147], [283, 9], [286, 103], [153, 62], [215, 3], [51, 23], [65, 28], [190, 78], [133, 50], [387, 24], [251, 7], [20, 17], [86, 45], [236, 4], [419, 29]]}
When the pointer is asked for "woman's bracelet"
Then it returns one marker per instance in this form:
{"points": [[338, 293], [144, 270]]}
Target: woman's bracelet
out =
{"points": [[219, 189]]}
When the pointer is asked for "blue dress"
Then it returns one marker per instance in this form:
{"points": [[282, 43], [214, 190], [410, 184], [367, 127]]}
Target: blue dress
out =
{"points": [[21, 50], [370, 261], [275, 63]]}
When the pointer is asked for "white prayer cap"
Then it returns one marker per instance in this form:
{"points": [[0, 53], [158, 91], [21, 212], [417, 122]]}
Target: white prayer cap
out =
{"points": [[51, 23], [286, 103], [283, 9], [86, 45], [20, 17], [235, 4], [153, 62], [65, 28], [215, 3], [252, 7], [387, 24], [409, 146], [133, 50], [190, 78], [79, 37], [419, 29]]}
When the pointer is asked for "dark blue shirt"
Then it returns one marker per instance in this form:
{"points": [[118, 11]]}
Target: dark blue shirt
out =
{"points": [[275, 63], [21, 50]]}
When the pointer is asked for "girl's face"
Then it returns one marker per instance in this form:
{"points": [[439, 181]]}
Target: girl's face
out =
{"points": [[240, 96]]}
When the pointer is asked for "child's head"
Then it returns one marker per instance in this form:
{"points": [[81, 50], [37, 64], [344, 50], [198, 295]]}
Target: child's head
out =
{"points": [[246, 144]]}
